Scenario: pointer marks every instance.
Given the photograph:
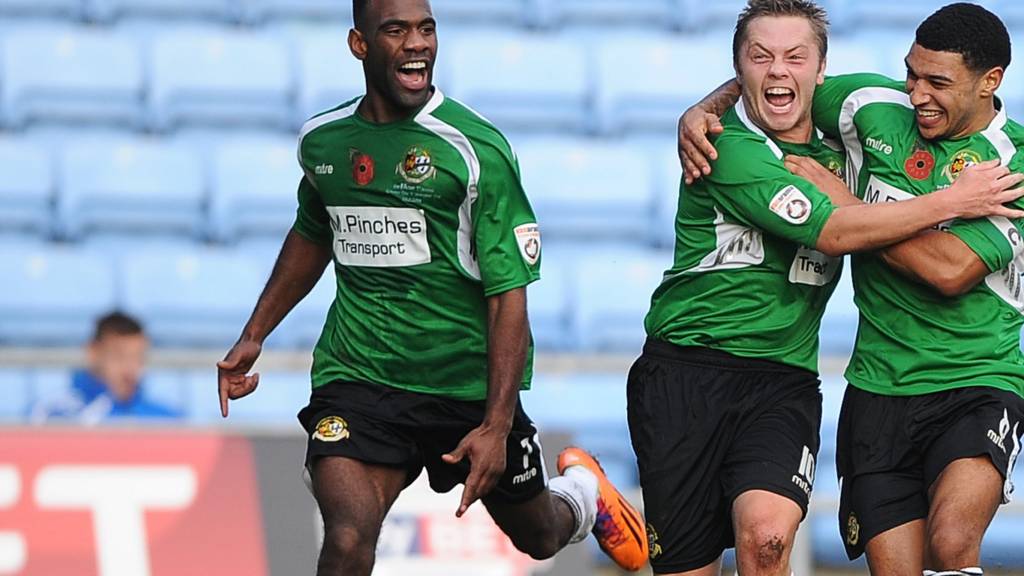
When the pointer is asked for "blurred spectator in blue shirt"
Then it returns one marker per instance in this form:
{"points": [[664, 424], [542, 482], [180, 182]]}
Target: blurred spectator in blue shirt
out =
{"points": [[111, 387]]}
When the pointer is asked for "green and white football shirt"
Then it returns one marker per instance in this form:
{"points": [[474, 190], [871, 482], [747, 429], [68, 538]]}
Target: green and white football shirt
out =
{"points": [[743, 280], [426, 218], [911, 340]]}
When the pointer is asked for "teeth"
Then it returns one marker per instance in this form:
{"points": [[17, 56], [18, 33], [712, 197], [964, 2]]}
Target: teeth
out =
{"points": [[779, 91], [928, 113], [414, 66]]}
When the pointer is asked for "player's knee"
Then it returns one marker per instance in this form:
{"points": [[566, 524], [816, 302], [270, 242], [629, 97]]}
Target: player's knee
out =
{"points": [[539, 544], [765, 545], [348, 548], [953, 545]]}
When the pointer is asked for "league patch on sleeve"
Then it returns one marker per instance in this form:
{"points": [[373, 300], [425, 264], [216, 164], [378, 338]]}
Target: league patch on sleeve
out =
{"points": [[791, 205], [528, 239]]}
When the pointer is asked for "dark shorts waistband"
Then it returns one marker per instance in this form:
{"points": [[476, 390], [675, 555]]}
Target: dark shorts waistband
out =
{"points": [[718, 358]]}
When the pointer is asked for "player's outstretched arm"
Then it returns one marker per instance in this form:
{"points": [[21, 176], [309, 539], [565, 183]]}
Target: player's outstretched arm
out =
{"points": [[983, 192], [508, 337], [299, 265], [938, 259], [701, 119]]}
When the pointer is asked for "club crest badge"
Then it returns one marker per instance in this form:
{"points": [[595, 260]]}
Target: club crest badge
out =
{"points": [[417, 166]]}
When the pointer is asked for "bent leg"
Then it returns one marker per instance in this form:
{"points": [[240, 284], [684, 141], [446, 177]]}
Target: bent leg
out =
{"points": [[765, 525], [353, 498], [539, 527], [964, 500], [897, 551]]}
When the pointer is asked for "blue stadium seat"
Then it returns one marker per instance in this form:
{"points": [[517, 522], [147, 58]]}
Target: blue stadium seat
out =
{"points": [[26, 189], [46, 387], [1011, 91], [549, 301], [52, 295], [45, 8], [276, 401], [1001, 546], [216, 10], [523, 81], [17, 398], [852, 14], [589, 190], [328, 73], [515, 12], [223, 78], [303, 325], [601, 428], [197, 298], [839, 324], [668, 174], [166, 388], [253, 189], [699, 15], [137, 186], [850, 55], [613, 296], [607, 12], [257, 11], [645, 84], [59, 74]]}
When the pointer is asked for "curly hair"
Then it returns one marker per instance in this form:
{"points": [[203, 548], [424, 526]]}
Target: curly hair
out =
{"points": [[978, 35]]}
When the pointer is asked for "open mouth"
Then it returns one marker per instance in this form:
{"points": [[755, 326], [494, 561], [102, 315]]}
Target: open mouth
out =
{"points": [[928, 118], [413, 75], [779, 99]]}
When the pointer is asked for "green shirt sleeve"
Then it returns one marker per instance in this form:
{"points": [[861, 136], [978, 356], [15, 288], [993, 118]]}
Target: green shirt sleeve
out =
{"points": [[311, 219], [996, 240], [829, 98], [506, 235], [754, 188]]}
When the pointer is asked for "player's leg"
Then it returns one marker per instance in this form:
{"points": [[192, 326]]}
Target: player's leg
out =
{"points": [[353, 498], [359, 458], [964, 500], [769, 472], [897, 551], [765, 525], [967, 468], [682, 424], [882, 504], [541, 520]]}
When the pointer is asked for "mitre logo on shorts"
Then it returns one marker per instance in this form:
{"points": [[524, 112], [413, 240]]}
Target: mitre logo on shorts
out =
{"points": [[804, 478], [331, 429], [528, 239], [377, 236], [791, 204], [1004, 429]]}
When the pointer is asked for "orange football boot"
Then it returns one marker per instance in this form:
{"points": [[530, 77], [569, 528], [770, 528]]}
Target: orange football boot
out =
{"points": [[619, 528]]}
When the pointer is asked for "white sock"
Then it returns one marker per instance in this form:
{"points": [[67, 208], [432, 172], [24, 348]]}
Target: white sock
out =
{"points": [[577, 487], [929, 573], [972, 571]]}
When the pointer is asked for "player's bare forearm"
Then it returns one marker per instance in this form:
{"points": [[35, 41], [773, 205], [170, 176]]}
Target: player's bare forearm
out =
{"points": [[508, 337], [297, 269], [982, 190], [937, 259], [721, 98]]}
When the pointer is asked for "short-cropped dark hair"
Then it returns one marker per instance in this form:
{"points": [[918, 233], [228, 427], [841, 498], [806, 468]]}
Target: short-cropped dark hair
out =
{"points": [[117, 323], [978, 35]]}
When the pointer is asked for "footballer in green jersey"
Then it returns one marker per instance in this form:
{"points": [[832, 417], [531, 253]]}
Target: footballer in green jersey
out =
{"points": [[930, 426], [417, 202], [726, 390]]}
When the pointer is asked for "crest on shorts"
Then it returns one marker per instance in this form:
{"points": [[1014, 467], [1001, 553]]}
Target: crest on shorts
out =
{"points": [[961, 160], [653, 548], [417, 166], [331, 429], [852, 530]]}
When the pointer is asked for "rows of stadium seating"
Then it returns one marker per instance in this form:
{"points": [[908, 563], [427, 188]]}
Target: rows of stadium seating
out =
{"points": [[180, 76], [588, 300], [677, 14]]}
